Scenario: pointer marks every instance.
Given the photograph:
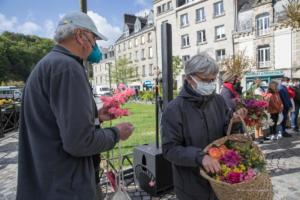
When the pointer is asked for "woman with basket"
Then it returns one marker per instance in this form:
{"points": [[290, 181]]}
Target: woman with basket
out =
{"points": [[197, 117]]}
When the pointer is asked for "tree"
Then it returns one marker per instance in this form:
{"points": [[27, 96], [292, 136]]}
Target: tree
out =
{"points": [[176, 66], [293, 13], [237, 64], [123, 72], [19, 54]]}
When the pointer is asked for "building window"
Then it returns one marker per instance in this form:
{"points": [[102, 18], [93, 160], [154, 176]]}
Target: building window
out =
{"points": [[169, 5], [124, 46], [150, 52], [143, 54], [220, 32], [137, 71], [136, 55], [142, 39], [184, 21], [158, 9], [119, 47], [164, 7], [201, 36], [149, 37], [218, 8], [130, 56], [220, 54], [136, 42], [185, 41], [150, 69], [183, 2], [263, 24], [144, 71], [264, 58], [185, 58], [129, 44], [101, 80], [200, 15]]}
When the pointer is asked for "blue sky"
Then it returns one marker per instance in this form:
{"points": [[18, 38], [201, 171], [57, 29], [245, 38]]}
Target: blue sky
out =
{"points": [[40, 17]]}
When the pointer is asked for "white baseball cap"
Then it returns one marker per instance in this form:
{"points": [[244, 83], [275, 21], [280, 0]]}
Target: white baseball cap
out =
{"points": [[81, 20]]}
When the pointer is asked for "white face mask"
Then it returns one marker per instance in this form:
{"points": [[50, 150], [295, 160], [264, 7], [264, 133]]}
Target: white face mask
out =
{"points": [[204, 88]]}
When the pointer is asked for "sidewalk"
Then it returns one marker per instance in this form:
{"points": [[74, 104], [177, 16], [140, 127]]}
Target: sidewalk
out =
{"points": [[283, 158]]}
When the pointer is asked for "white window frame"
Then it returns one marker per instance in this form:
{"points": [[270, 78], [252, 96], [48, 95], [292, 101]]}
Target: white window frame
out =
{"points": [[130, 44], [150, 69], [200, 15], [202, 38], [136, 42], [136, 55], [184, 20], [144, 70], [219, 8], [185, 41], [150, 52], [143, 54], [222, 56], [149, 37], [263, 25], [264, 56], [219, 35], [142, 39]]}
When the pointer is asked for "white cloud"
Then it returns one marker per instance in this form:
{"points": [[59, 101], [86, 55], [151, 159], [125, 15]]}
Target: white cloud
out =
{"points": [[143, 13], [104, 27], [28, 27], [7, 24], [49, 28]]}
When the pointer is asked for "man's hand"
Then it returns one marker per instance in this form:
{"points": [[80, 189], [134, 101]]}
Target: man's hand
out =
{"points": [[125, 130], [103, 114], [210, 164]]}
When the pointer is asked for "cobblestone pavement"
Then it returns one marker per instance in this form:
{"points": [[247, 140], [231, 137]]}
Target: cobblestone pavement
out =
{"points": [[283, 158]]}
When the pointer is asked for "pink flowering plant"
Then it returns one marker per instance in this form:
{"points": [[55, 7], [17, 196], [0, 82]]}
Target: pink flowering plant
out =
{"points": [[239, 161], [115, 102]]}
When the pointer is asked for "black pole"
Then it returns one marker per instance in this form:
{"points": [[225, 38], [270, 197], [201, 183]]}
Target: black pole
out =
{"points": [[83, 6], [157, 113], [167, 71]]}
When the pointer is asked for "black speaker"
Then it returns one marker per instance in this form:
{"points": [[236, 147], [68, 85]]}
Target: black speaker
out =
{"points": [[152, 171]]}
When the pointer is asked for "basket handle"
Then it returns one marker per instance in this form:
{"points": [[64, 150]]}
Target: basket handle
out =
{"points": [[244, 126]]}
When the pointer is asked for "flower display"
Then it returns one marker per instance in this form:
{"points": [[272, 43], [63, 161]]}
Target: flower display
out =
{"points": [[239, 161], [114, 103]]}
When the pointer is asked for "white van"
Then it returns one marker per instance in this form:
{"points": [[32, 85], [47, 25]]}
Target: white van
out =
{"points": [[101, 90], [10, 92]]}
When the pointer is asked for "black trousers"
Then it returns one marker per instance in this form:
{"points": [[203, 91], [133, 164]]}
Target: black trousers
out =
{"points": [[274, 117]]}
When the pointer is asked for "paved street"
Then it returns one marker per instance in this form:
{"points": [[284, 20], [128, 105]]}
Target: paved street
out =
{"points": [[283, 159]]}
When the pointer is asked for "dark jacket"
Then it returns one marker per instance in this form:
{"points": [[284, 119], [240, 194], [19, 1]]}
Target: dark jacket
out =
{"points": [[57, 134], [284, 95], [189, 123]]}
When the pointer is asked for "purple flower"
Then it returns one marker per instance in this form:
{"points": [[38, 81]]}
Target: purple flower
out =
{"points": [[231, 158]]}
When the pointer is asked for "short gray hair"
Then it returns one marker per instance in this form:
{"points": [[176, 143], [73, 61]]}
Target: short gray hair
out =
{"points": [[201, 63], [64, 32]]}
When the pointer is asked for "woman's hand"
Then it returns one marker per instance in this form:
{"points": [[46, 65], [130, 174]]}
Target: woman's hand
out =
{"points": [[210, 164]]}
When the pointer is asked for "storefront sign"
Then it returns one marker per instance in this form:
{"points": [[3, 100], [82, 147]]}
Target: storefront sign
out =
{"points": [[264, 73]]}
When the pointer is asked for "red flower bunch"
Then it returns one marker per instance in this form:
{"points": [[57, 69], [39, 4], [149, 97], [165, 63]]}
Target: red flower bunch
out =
{"points": [[256, 111], [120, 97]]}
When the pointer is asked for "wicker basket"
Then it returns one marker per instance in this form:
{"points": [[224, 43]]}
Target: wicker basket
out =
{"points": [[258, 188]]}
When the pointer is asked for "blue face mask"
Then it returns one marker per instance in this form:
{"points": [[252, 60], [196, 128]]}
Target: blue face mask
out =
{"points": [[204, 88], [95, 56]]}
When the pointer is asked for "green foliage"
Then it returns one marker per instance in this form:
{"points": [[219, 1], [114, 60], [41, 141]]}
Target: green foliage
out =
{"points": [[19, 54], [147, 95], [177, 66], [123, 72]]}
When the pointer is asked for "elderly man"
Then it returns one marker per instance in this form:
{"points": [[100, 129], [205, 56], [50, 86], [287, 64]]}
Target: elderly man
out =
{"points": [[197, 117], [57, 134]]}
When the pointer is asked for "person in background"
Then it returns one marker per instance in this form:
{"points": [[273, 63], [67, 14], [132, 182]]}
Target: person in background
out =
{"points": [[257, 89], [292, 95], [231, 96], [287, 104], [57, 137], [275, 107], [194, 119], [294, 117]]}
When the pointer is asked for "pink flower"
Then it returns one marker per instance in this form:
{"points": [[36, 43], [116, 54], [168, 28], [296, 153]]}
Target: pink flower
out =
{"points": [[234, 177], [250, 174], [231, 158]]}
